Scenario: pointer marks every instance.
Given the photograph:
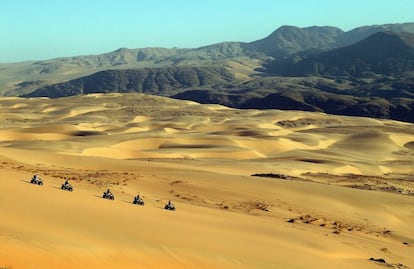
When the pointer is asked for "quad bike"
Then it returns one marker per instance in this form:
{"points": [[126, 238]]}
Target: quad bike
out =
{"points": [[108, 195], [169, 206], [36, 180], [138, 201], [66, 187]]}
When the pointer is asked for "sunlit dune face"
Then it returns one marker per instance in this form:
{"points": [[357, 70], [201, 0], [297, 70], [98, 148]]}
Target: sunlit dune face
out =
{"points": [[135, 126]]}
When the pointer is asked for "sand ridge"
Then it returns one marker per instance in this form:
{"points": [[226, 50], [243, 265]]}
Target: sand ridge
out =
{"points": [[343, 194]]}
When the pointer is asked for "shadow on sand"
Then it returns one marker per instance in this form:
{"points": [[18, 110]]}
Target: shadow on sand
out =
{"points": [[28, 182]]}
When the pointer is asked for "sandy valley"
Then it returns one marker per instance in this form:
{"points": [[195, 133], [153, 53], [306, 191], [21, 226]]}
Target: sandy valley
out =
{"points": [[327, 191]]}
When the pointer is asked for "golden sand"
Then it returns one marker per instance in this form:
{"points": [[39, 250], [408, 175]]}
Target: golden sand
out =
{"points": [[337, 190]]}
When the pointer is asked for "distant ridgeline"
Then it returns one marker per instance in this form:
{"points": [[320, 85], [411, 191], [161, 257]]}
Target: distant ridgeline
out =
{"points": [[367, 71], [147, 80]]}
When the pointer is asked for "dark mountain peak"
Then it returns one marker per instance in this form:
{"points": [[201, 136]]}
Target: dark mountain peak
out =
{"points": [[394, 27], [309, 29], [287, 40], [390, 34], [323, 28], [355, 35], [289, 31], [383, 53], [397, 38], [384, 44], [121, 50], [286, 29]]}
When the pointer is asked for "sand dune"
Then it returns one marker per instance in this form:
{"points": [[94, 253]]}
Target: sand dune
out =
{"points": [[335, 191]]}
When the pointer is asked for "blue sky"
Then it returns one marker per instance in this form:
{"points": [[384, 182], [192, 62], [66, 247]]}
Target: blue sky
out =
{"points": [[44, 29]]}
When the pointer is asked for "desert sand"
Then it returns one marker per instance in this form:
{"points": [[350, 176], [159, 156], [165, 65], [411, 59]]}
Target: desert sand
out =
{"points": [[332, 191]]}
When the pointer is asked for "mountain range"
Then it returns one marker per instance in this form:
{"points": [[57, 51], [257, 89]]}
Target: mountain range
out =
{"points": [[383, 53], [367, 71]]}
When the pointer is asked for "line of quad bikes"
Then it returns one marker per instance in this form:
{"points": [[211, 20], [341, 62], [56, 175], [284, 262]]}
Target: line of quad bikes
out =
{"points": [[106, 195]]}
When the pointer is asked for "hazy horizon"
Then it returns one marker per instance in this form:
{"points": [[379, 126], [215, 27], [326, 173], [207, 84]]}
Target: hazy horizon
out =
{"points": [[44, 29]]}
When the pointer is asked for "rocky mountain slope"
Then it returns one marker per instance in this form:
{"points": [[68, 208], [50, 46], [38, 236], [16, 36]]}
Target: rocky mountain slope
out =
{"points": [[25, 77], [383, 53], [148, 80], [366, 72]]}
